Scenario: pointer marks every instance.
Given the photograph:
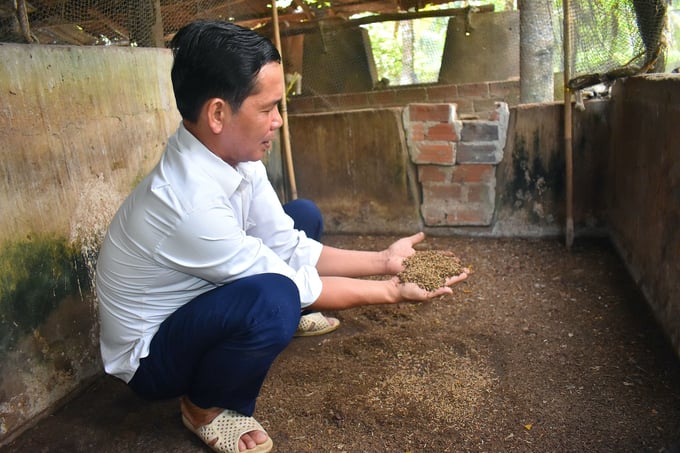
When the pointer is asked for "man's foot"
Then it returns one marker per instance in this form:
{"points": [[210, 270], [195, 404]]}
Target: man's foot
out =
{"points": [[314, 323], [197, 419]]}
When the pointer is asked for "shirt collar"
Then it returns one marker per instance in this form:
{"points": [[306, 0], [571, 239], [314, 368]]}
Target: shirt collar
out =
{"points": [[228, 177]]}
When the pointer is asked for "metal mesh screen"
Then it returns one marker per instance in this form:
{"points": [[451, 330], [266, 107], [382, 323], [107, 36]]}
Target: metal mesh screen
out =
{"points": [[609, 38], [613, 38], [147, 23]]}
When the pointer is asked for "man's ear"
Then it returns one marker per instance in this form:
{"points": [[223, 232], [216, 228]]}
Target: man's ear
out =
{"points": [[218, 112]]}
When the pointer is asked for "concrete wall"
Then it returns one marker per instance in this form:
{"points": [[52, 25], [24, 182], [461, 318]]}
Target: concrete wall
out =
{"points": [[79, 126], [643, 190], [356, 167], [531, 185], [386, 171], [481, 46], [338, 61]]}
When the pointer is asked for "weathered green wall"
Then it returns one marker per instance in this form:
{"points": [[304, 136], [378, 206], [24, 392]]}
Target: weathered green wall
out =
{"points": [[78, 127]]}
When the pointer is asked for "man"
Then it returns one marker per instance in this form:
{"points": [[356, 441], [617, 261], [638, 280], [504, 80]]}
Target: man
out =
{"points": [[202, 275]]}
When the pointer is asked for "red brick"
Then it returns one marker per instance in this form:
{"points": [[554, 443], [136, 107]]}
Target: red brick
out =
{"points": [[434, 153], [504, 88], [382, 98], [433, 193], [479, 193], [464, 107], [442, 131], [416, 131], [442, 93], [433, 215], [433, 173], [475, 90], [408, 95], [440, 113], [473, 173], [472, 215]]}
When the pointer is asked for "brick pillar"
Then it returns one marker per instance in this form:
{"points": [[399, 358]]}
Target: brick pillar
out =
{"points": [[456, 162]]}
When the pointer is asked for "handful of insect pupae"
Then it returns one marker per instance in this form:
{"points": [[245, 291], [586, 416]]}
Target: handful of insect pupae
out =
{"points": [[429, 269]]}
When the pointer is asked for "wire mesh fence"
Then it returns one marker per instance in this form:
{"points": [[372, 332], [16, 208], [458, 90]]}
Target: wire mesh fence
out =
{"points": [[608, 38], [613, 38]]}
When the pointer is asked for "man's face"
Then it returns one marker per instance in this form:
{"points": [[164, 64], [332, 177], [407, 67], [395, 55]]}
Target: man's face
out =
{"points": [[249, 132]]}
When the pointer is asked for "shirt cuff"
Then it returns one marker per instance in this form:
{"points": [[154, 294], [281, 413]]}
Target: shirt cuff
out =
{"points": [[309, 284]]}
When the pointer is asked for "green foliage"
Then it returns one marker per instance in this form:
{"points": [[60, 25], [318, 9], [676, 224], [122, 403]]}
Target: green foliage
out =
{"points": [[429, 36], [35, 275], [673, 56], [386, 49], [605, 34], [428, 44]]}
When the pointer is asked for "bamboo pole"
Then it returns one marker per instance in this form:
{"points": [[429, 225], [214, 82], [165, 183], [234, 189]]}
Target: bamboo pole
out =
{"points": [[568, 142], [284, 111]]}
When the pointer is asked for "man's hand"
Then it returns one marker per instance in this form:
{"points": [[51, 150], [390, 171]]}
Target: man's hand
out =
{"points": [[396, 253], [413, 292]]}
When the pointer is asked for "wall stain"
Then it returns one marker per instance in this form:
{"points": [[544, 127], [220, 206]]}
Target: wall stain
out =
{"points": [[36, 274], [537, 181]]}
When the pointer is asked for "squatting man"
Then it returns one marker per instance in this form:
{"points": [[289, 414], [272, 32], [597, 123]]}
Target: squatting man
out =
{"points": [[203, 275]]}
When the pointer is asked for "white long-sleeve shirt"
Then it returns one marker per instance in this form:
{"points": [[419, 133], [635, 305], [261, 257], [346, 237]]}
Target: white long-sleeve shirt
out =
{"points": [[194, 223]]}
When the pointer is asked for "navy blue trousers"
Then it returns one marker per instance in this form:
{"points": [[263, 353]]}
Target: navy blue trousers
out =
{"points": [[217, 349]]}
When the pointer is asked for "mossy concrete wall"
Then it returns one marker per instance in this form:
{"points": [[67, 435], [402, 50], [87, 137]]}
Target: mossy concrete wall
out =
{"points": [[79, 126]]}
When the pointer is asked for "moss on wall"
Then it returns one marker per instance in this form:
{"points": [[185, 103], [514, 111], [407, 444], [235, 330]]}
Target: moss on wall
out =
{"points": [[36, 273]]}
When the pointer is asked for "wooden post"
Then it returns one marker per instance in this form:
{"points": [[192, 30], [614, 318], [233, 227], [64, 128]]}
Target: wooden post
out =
{"points": [[566, 36], [284, 111]]}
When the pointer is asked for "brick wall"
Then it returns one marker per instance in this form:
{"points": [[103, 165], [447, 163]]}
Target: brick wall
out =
{"points": [[473, 100], [456, 161], [455, 136]]}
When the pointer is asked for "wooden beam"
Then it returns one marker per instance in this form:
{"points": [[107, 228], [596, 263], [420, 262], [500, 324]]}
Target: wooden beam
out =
{"points": [[311, 26]]}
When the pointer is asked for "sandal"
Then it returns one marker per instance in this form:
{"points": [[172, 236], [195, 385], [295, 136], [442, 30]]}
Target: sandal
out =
{"points": [[224, 432], [315, 323]]}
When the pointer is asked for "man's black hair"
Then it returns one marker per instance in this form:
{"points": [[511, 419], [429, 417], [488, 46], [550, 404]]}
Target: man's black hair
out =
{"points": [[215, 59]]}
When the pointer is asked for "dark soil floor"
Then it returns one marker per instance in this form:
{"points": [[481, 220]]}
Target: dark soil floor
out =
{"points": [[540, 350]]}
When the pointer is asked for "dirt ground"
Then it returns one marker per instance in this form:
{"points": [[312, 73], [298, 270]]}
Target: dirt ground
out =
{"points": [[540, 350]]}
